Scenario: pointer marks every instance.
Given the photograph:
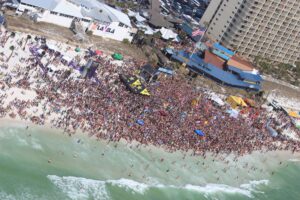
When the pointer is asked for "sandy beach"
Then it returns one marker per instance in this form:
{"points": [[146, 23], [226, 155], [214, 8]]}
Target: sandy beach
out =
{"points": [[41, 81]]}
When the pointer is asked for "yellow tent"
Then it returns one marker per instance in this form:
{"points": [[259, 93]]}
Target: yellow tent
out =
{"points": [[145, 92], [294, 114], [235, 101]]}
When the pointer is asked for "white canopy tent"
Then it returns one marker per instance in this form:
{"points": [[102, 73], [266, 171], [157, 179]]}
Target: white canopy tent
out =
{"points": [[167, 33]]}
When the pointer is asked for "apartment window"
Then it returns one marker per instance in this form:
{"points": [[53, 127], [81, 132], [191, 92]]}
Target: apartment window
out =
{"points": [[121, 24]]}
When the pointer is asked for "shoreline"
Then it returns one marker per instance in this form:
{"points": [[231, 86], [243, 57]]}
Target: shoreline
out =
{"points": [[135, 144]]}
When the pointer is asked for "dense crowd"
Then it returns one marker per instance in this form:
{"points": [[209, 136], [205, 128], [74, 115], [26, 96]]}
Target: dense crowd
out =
{"points": [[107, 110]]}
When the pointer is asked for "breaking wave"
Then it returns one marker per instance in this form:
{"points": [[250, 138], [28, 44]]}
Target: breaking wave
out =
{"points": [[82, 188], [294, 160], [22, 196]]}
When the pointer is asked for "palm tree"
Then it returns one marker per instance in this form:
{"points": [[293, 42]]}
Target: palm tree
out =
{"points": [[12, 35], [27, 38], [12, 48]]}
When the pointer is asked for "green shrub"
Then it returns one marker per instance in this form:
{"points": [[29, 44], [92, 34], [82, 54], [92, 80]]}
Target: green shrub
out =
{"points": [[126, 41]]}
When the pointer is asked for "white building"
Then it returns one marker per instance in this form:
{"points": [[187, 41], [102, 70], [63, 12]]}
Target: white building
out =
{"points": [[95, 16]]}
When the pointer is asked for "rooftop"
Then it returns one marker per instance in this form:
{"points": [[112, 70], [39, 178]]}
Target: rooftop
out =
{"points": [[238, 62], [213, 59], [82, 9]]}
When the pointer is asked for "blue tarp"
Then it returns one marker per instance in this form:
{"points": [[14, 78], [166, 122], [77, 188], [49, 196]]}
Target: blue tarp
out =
{"points": [[223, 49], [199, 132], [196, 64], [140, 122]]}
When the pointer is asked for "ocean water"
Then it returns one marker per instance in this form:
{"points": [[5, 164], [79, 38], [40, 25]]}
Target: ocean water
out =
{"points": [[38, 163]]}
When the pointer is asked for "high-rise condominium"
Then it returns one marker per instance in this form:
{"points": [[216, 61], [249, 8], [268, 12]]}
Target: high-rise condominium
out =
{"points": [[266, 28]]}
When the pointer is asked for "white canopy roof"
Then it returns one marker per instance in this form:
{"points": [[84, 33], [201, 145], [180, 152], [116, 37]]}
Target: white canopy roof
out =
{"points": [[67, 58], [167, 33], [102, 12], [52, 47], [83, 9]]}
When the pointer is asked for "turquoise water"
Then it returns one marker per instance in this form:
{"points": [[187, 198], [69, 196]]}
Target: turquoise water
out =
{"points": [[37, 163]]}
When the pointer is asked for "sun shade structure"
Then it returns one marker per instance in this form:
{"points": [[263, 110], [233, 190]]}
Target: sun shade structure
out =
{"points": [[98, 52], [294, 114], [77, 49], [235, 102], [117, 56], [134, 85]]}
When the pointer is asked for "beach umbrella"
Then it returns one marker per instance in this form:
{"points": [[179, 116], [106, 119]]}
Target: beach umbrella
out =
{"points": [[199, 132], [140, 122], [77, 49], [98, 52]]}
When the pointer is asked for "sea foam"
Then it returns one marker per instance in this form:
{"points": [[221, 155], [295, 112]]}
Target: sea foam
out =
{"points": [[294, 160], [129, 184], [82, 188], [252, 185], [218, 188]]}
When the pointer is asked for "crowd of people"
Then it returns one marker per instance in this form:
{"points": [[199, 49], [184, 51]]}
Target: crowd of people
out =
{"points": [[102, 107]]}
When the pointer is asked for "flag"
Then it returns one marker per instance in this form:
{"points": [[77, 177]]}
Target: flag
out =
{"points": [[197, 32]]}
